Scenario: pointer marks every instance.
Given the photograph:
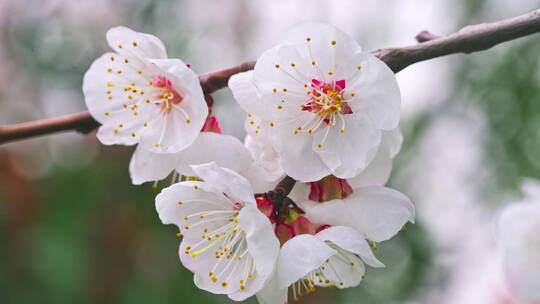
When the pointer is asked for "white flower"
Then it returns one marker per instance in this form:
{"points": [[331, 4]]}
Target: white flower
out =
{"points": [[225, 150], [265, 171], [519, 243], [332, 257], [324, 100], [227, 242], [377, 212], [140, 96]]}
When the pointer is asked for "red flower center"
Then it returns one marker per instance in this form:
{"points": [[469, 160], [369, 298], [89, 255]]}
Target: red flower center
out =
{"points": [[327, 100], [169, 95]]}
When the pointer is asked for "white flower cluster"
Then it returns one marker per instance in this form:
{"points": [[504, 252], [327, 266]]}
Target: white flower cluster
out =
{"points": [[319, 110]]}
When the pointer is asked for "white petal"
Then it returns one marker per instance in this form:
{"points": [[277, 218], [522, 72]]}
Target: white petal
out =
{"points": [[378, 171], [246, 93], [376, 92], [299, 256], [225, 181], [225, 150], [519, 241], [330, 48], [259, 179], [262, 246], [146, 166], [392, 141], [350, 240], [271, 293], [377, 212], [182, 199], [266, 166], [342, 270], [128, 42], [347, 153], [281, 87], [296, 154], [175, 131], [121, 112], [228, 274]]}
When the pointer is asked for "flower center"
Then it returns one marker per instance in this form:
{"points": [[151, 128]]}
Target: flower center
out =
{"points": [[168, 94], [327, 101]]}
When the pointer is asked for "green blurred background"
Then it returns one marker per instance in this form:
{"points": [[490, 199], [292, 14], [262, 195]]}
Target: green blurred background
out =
{"points": [[74, 230]]}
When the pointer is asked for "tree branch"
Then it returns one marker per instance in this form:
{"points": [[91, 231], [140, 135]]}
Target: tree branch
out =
{"points": [[469, 39]]}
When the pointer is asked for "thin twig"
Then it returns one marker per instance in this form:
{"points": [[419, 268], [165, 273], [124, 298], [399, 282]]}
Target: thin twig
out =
{"points": [[469, 39]]}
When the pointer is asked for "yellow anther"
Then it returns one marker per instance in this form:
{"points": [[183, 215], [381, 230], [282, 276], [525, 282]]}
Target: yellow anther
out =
{"points": [[126, 60], [319, 146], [280, 107], [107, 113], [284, 90], [333, 42], [109, 70], [313, 62], [110, 84], [134, 44], [179, 202], [293, 65], [188, 121]]}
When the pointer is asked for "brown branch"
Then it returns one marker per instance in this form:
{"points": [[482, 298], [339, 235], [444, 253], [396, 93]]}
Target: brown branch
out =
{"points": [[285, 185], [84, 123], [469, 39]]}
